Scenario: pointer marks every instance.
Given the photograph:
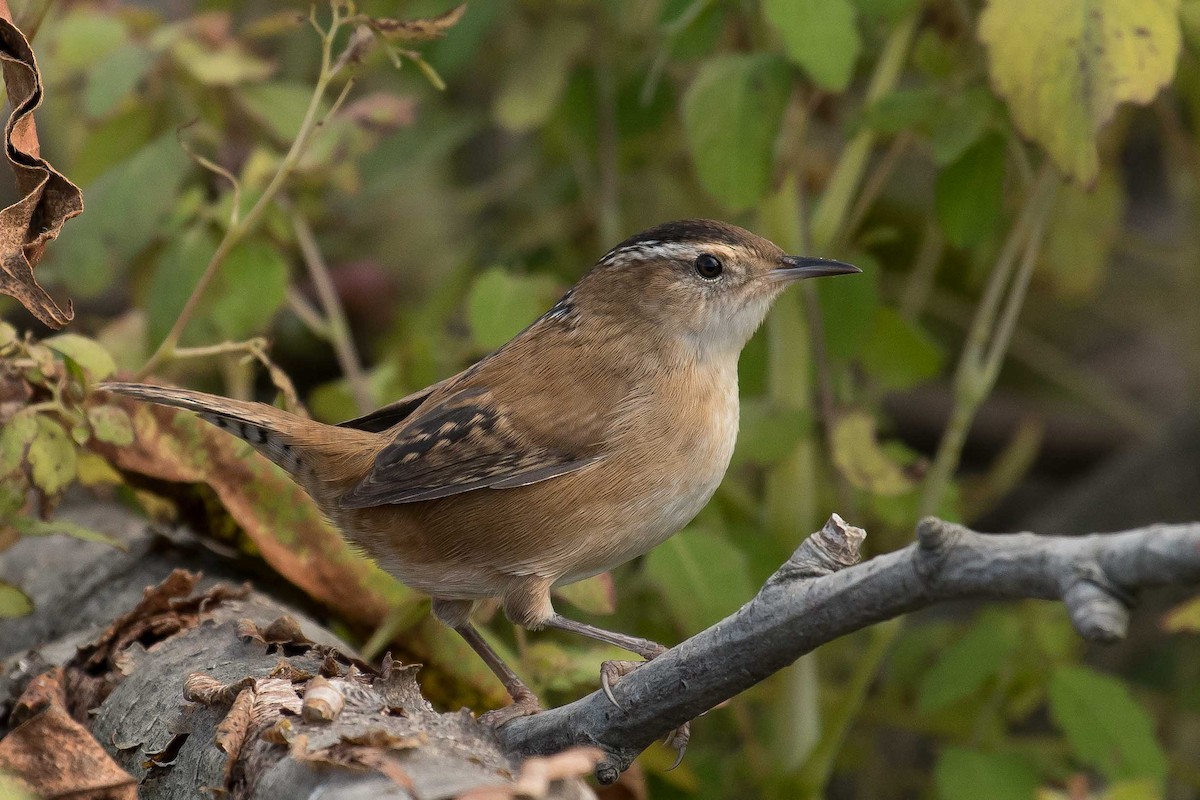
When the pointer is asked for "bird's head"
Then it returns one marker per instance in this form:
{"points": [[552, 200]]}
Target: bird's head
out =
{"points": [[707, 283]]}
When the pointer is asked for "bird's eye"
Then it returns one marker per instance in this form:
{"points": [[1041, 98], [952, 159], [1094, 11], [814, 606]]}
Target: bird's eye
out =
{"points": [[708, 266]]}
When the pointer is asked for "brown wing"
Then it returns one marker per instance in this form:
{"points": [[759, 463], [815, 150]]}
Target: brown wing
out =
{"points": [[510, 421]]}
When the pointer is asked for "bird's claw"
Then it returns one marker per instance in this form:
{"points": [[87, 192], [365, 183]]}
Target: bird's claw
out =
{"points": [[524, 705], [613, 671], [678, 740]]}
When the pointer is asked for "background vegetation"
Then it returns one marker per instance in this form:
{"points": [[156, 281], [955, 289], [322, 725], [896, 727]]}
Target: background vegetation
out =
{"points": [[386, 204]]}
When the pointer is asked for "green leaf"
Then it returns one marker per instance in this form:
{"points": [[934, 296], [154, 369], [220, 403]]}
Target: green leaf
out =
{"points": [[861, 460], [846, 306], [703, 577], [1064, 66], [15, 437], [970, 191], [32, 526], [114, 78], [1141, 789], [768, 433], [904, 110], [967, 665], [51, 456], [13, 602], [897, 353], [501, 304], [81, 40], [962, 773], [227, 65], [88, 354], [178, 270], [8, 334], [888, 12], [252, 287], [821, 36], [536, 76], [960, 122], [1080, 235], [594, 595], [126, 208], [278, 106], [1105, 725], [111, 424], [731, 115]]}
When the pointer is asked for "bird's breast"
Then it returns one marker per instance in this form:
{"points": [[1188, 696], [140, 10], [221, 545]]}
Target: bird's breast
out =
{"points": [[665, 464]]}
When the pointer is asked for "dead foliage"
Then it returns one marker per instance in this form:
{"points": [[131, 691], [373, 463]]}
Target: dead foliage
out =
{"points": [[48, 199], [54, 755]]}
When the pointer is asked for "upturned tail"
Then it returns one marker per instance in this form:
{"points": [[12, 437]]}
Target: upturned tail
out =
{"points": [[303, 447]]}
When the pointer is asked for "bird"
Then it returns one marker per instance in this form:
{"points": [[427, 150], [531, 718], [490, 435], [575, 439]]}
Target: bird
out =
{"points": [[592, 436]]}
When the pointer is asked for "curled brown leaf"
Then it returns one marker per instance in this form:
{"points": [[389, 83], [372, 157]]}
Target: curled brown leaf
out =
{"points": [[417, 30], [48, 199]]}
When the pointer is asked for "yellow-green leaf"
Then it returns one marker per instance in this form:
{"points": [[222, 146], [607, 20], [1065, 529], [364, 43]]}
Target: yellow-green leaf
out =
{"points": [[596, 595], [51, 456], [13, 602], [1183, 618], [110, 424], [536, 77], [821, 36], [1080, 235], [1064, 66], [87, 353], [731, 115], [859, 458], [15, 437], [500, 304]]}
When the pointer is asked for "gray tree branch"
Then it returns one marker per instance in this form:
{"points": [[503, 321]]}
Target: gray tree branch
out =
{"points": [[820, 594]]}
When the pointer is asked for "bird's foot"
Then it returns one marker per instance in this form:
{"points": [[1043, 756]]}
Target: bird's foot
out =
{"points": [[613, 671], [524, 704]]}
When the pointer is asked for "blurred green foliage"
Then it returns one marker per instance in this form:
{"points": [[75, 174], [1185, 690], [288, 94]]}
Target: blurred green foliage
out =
{"points": [[961, 152]]}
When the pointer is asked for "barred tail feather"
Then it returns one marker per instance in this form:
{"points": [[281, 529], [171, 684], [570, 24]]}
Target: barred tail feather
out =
{"points": [[266, 428]]}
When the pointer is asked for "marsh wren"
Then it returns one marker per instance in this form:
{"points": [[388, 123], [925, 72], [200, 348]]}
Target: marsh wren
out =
{"points": [[594, 435]]}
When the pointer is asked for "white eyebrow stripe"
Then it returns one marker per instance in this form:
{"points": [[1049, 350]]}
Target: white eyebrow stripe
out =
{"points": [[650, 250]]}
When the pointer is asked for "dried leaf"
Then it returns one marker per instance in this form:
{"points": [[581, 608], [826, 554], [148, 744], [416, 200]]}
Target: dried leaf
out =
{"points": [[234, 728], [15, 392], [42, 691], [48, 198], [417, 30], [58, 757], [382, 112], [164, 610], [276, 515], [204, 689], [539, 773]]}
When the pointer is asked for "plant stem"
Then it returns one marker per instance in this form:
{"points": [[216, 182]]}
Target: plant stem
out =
{"points": [[339, 328], [990, 333], [819, 767], [828, 222], [235, 233]]}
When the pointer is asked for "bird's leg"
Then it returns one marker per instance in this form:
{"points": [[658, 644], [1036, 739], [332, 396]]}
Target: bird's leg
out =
{"points": [[524, 701], [613, 671], [643, 647], [456, 614]]}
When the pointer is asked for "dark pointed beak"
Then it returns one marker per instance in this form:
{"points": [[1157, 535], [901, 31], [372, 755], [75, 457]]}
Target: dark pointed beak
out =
{"points": [[794, 268]]}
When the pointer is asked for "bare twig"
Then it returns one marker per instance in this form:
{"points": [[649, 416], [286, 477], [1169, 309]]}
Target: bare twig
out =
{"points": [[819, 595], [235, 233], [338, 328]]}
